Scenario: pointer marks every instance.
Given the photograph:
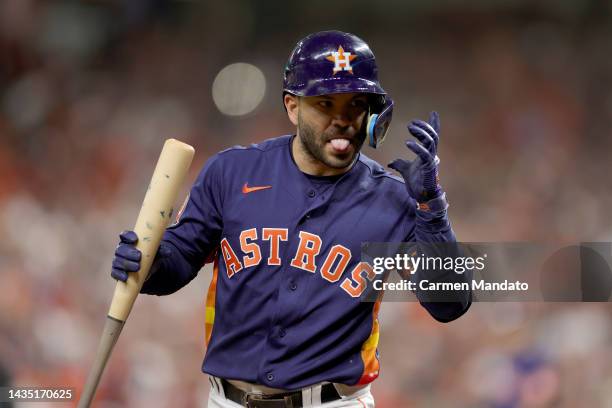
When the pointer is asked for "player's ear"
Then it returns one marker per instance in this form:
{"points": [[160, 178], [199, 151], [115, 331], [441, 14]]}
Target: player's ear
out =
{"points": [[291, 105]]}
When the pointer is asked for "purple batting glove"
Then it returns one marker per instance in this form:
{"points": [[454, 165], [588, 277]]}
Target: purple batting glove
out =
{"points": [[127, 256], [421, 174]]}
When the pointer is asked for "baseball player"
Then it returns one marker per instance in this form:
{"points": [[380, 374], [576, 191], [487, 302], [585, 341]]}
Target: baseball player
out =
{"points": [[284, 220]]}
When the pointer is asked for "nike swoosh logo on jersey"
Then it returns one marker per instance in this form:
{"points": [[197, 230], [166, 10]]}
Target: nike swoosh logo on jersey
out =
{"points": [[246, 189]]}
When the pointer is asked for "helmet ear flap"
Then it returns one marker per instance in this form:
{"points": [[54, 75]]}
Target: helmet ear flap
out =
{"points": [[378, 123], [376, 102]]}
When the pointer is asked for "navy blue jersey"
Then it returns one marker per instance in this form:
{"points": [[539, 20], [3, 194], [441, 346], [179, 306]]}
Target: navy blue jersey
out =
{"points": [[283, 308]]}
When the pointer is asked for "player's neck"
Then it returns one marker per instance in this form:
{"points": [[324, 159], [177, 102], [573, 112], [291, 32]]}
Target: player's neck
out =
{"points": [[309, 164]]}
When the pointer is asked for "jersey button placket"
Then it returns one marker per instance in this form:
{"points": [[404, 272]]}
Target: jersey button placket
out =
{"points": [[312, 193], [270, 377]]}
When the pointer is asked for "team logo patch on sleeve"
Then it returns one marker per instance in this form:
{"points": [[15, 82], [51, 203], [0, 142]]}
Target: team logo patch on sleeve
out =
{"points": [[342, 60]]}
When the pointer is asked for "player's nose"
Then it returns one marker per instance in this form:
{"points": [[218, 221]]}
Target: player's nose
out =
{"points": [[341, 120]]}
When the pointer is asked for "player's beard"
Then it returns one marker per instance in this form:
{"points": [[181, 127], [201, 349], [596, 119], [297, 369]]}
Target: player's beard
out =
{"points": [[314, 144]]}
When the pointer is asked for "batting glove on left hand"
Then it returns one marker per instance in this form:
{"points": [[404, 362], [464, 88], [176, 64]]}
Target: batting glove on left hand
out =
{"points": [[421, 174]]}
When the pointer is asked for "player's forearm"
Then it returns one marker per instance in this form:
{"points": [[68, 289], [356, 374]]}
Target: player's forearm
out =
{"points": [[444, 306], [169, 273], [447, 311]]}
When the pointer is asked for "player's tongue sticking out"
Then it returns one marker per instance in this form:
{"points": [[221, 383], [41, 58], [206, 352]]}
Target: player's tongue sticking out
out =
{"points": [[340, 145]]}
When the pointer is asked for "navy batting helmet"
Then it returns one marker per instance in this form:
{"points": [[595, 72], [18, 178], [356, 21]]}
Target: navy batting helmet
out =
{"points": [[330, 62]]}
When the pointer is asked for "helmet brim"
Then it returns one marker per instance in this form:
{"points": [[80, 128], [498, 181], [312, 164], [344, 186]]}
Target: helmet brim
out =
{"points": [[336, 85]]}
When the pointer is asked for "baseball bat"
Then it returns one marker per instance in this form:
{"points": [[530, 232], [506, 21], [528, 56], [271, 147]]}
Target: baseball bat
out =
{"points": [[156, 211]]}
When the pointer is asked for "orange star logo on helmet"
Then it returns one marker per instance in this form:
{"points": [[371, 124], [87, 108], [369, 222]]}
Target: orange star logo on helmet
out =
{"points": [[342, 60]]}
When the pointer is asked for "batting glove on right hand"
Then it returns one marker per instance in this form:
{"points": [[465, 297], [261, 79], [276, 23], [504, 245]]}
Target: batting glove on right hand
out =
{"points": [[421, 174], [127, 256]]}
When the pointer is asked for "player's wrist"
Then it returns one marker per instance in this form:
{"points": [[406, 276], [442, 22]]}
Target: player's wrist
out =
{"points": [[435, 204], [432, 216]]}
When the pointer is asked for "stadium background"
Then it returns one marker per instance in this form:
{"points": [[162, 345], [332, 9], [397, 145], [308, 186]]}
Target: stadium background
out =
{"points": [[90, 89]]}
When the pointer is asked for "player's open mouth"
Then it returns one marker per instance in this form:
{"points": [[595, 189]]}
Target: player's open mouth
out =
{"points": [[340, 145]]}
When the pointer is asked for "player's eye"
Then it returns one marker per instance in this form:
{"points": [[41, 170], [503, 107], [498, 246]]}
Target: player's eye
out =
{"points": [[325, 104]]}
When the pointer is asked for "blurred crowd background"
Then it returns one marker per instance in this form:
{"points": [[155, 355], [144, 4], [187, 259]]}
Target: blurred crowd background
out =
{"points": [[90, 89]]}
